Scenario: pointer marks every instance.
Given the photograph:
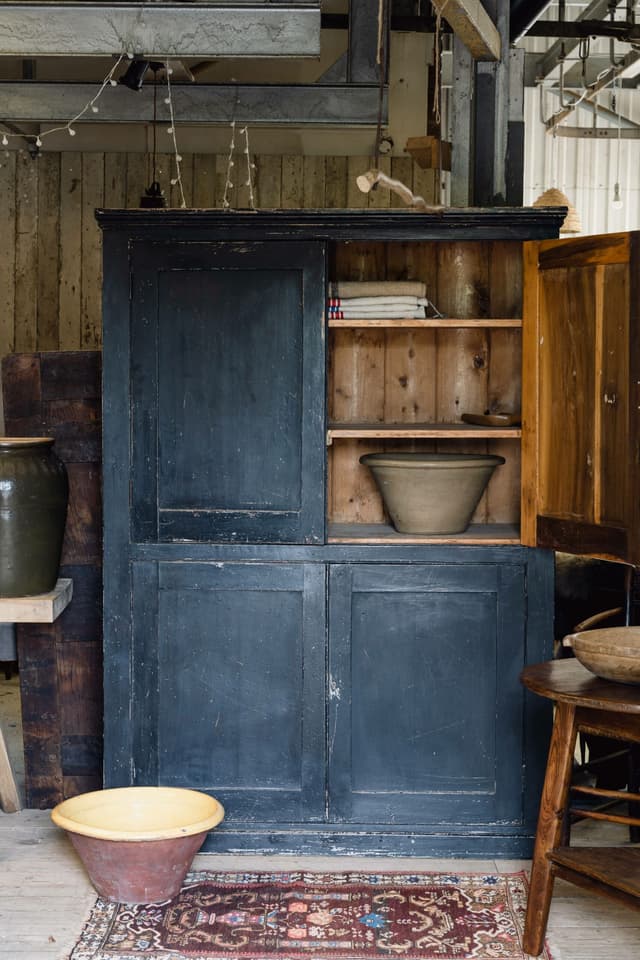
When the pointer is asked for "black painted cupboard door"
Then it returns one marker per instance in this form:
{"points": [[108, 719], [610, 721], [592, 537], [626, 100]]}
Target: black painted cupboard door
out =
{"points": [[426, 713], [228, 684], [227, 384]]}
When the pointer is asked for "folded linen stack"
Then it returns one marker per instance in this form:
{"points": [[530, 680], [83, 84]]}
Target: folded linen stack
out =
{"points": [[388, 299]]}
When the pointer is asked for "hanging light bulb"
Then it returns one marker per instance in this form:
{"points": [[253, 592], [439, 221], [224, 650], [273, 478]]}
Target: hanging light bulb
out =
{"points": [[617, 202]]}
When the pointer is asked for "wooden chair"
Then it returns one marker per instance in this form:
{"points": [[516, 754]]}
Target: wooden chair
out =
{"points": [[596, 754], [583, 702]]}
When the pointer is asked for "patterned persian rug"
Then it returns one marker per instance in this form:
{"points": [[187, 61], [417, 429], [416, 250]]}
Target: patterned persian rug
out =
{"points": [[317, 916]]}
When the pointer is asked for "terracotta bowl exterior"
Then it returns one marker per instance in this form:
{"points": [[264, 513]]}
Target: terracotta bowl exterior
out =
{"points": [[612, 653], [137, 843]]}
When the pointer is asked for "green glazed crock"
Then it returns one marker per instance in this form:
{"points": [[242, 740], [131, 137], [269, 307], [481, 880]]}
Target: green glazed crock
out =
{"points": [[34, 492]]}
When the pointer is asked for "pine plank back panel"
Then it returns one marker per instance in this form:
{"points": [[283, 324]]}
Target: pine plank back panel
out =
{"points": [[406, 375]]}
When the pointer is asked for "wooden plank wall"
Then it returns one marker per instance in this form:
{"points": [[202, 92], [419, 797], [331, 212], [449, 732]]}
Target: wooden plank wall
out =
{"points": [[58, 394], [50, 245]]}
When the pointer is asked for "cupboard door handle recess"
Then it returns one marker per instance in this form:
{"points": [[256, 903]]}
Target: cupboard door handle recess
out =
{"points": [[611, 399]]}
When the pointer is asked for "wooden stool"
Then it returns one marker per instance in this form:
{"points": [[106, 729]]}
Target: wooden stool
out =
{"points": [[583, 702]]}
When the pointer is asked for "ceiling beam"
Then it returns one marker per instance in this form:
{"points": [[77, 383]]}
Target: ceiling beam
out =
{"points": [[560, 50], [275, 104], [159, 30], [472, 24], [629, 61], [599, 133], [582, 29], [597, 110]]}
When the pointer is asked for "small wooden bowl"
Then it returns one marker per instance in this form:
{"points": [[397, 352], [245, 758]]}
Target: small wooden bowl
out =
{"points": [[612, 653]]}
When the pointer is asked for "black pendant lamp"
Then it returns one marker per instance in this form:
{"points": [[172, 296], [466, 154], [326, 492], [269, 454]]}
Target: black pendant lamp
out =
{"points": [[153, 195]]}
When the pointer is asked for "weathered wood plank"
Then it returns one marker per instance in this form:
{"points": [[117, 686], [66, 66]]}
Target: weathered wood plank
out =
{"points": [[115, 180], [26, 256], [336, 182], [91, 302], [409, 376], [462, 354], [314, 178], [292, 182], [70, 239], [204, 180], [8, 196], [48, 250], [9, 798], [138, 177], [44, 608], [272, 31], [470, 21], [40, 714], [268, 182]]}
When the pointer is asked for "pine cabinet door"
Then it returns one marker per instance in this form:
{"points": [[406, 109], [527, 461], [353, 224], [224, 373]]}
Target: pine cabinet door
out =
{"points": [[581, 396]]}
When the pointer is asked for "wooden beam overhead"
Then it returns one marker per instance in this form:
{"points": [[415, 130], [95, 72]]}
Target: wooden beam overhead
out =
{"points": [[470, 21], [275, 104], [561, 49], [160, 30]]}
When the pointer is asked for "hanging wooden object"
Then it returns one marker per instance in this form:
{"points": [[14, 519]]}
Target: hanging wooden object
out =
{"points": [[430, 153], [372, 178]]}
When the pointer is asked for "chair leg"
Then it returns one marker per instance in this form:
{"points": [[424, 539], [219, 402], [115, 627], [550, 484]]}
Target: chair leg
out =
{"points": [[633, 785], [552, 810]]}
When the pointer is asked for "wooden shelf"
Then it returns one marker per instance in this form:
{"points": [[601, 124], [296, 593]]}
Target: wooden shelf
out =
{"points": [[43, 608], [478, 533], [409, 431], [435, 322]]}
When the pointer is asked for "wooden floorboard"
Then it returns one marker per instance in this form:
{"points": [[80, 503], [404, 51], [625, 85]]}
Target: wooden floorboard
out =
{"points": [[45, 895]]}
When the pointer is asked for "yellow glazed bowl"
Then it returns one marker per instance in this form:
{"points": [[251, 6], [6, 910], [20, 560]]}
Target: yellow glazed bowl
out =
{"points": [[137, 843]]}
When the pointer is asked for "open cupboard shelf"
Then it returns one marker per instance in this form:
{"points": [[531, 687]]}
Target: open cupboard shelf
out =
{"points": [[403, 384], [427, 322], [483, 534], [408, 431]]}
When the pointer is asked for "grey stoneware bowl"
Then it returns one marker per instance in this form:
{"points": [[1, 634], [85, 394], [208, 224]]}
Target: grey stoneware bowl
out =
{"points": [[431, 493]]}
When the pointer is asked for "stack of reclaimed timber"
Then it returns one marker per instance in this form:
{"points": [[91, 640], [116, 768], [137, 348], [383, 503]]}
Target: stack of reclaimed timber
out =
{"points": [[58, 394]]}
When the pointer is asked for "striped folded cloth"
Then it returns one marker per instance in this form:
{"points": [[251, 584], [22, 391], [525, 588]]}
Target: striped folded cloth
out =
{"points": [[390, 313], [343, 303], [345, 289]]}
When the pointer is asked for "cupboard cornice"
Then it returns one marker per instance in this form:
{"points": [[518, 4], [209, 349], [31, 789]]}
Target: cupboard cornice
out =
{"points": [[504, 223]]}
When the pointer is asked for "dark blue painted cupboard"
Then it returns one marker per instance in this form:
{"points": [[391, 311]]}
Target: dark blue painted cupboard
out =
{"points": [[269, 637]]}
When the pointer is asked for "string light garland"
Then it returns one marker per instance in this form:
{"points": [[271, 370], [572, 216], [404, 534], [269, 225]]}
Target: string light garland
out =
{"points": [[228, 184], [171, 130], [90, 105], [244, 131], [250, 166]]}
